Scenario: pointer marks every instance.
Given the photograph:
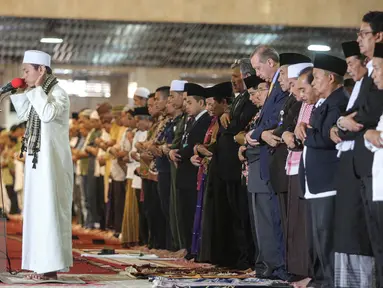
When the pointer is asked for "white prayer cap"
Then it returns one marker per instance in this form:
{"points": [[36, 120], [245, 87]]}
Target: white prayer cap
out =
{"points": [[94, 115], [37, 57], [294, 70], [85, 112], [178, 85], [142, 92]]}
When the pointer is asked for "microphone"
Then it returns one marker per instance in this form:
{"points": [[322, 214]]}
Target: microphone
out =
{"points": [[13, 85]]}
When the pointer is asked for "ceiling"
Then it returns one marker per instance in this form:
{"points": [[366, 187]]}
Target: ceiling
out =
{"points": [[180, 45]]}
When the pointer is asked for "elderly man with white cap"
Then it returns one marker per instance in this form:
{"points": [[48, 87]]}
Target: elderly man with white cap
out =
{"points": [[141, 97], [47, 229], [297, 244]]}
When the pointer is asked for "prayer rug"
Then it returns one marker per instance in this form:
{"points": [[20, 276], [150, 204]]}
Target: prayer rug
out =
{"points": [[19, 279], [162, 282]]}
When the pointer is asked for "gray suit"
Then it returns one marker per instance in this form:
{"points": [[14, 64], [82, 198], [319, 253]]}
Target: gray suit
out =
{"points": [[264, 214]]}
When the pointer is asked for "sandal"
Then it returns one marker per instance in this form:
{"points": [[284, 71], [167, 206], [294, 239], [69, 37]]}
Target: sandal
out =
{"points": [[41, 277]]}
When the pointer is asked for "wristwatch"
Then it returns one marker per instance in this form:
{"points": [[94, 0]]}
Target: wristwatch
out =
{"points": [[340, 126]]}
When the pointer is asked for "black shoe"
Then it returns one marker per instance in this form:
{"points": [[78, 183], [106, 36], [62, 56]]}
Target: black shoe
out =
{"points": [[267, 273], [190, 256], [242, 266], [282, 274]]}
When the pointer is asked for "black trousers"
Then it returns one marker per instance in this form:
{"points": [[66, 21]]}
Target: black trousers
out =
{"points": [[231, 209], [164, 195], [322, 217], [91, 195], [100, 202], [142, 220], [12, 195], [351, 236], [187, 203], [118, 203], [156, 219], [374, 216]]}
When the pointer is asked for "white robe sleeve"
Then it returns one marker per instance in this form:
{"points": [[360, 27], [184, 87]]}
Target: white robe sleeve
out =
{"points": [[22, 106], [47, 110], [370, 146]]}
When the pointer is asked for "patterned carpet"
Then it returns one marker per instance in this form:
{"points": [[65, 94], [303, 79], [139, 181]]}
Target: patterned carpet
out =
{"points": [[129, 266]]}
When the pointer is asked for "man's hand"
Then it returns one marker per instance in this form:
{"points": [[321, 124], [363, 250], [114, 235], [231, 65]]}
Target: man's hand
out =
{"points": [[349, 123], [270, 138], [204, 151], [103, 146], [155, 150], [288, 138], [113, 151], [195, 160], [300, 131], [92, 150], [126, 159], [98, 141], [139, 146], [373, 137], [334, 135], [249, 140], [146, 157], [174, 156], [111, 143], [165, 149], [225, 120], [135, 156], [101, 161], [241, 151], [40, 80]]}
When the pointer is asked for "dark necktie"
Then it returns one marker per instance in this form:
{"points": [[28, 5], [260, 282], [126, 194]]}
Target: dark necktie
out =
{"points": [[312, 114], [189, 124]]}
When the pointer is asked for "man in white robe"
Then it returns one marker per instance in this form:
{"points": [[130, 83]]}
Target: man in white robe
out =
{"points": [[47, 229]]}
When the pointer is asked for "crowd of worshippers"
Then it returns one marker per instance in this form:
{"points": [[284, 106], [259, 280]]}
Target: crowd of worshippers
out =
{"points": [[12, 170], [279, 170]]}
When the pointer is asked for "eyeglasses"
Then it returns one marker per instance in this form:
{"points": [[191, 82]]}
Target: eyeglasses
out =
{"points": [[363, 34]]}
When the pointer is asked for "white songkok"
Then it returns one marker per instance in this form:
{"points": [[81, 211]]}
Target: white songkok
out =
{"points": [[85, 112], [178, 85], [142, 92], [37, 57], [94, 115], [294, 70]]}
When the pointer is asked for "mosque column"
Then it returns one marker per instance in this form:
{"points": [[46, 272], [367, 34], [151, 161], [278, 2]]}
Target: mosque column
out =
{"points": [[119, 91]]}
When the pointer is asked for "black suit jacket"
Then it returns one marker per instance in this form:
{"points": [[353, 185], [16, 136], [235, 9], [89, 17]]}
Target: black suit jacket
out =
{"points": [[369, 106], [288, 120], [228, 165], [321, 161], [186, 177]]}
